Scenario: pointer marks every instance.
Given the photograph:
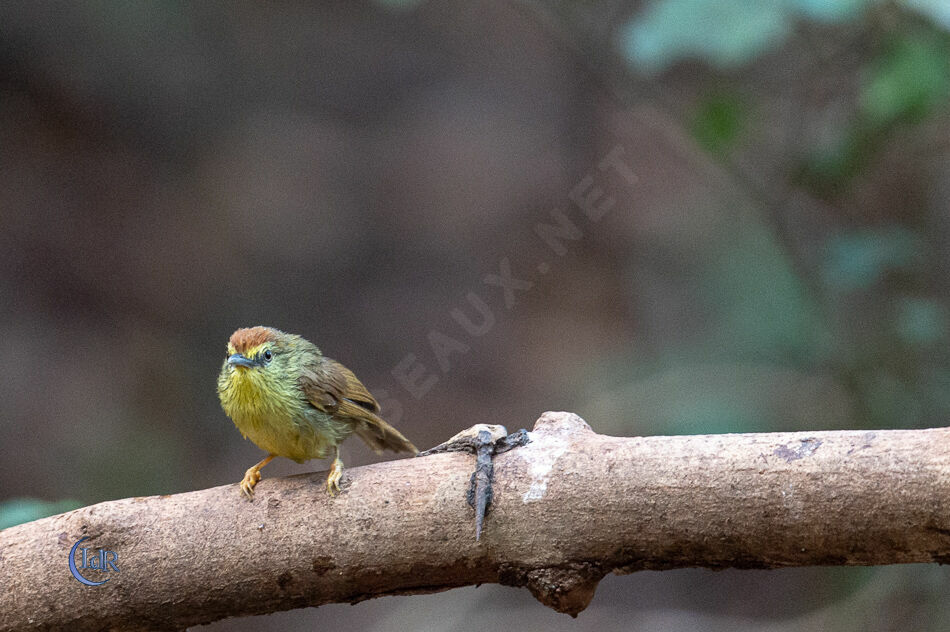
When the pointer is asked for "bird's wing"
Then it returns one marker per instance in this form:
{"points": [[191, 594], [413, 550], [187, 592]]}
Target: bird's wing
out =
{"points": [[332, 388]]}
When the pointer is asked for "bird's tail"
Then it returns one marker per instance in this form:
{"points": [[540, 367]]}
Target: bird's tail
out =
{"points": [[377, 434], [380, 436]]}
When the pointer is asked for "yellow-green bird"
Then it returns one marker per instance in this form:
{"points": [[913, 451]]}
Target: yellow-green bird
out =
{"points": [[283, 394]]}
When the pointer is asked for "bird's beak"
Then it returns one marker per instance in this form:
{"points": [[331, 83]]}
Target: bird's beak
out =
{"points": [[238, 360]]}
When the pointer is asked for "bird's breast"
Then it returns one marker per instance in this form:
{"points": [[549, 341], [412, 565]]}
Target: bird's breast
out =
{"points": [[278, 420]]}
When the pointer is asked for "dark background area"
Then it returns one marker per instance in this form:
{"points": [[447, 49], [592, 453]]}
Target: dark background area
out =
{"points": [[352, 172]]}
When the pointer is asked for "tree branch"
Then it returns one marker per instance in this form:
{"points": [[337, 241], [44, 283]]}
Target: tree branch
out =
{"points": [[568, 508]]}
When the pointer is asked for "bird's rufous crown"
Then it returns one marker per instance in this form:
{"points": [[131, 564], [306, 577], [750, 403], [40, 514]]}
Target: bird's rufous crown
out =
{"points": [[250, 337]]}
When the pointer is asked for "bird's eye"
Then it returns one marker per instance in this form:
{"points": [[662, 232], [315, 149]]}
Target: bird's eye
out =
{"points": [[268, 356]]}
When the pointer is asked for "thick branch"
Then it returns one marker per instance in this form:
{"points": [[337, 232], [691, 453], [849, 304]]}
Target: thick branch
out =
{"points": [[567, 508]]}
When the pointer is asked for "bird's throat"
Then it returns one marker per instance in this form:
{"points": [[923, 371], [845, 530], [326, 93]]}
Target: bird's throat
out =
{"points": [[246, 393]]}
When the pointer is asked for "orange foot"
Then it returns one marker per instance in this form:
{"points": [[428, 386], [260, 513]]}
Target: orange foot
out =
{"points": [[333, 480], [252, 476]]}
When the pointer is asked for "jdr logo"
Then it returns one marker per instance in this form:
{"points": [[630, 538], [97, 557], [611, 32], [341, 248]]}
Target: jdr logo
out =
{"points": [[100, 561]]}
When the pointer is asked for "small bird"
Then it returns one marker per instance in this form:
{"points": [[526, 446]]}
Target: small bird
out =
{"points": [[288, 398]]}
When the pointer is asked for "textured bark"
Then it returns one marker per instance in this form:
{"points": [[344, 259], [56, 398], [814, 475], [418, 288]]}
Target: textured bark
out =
{"points": [[567, 508]]}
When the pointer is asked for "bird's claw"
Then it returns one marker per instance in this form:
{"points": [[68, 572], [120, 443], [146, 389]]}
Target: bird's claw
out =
{"points": [[251, 478], [334, 478]]}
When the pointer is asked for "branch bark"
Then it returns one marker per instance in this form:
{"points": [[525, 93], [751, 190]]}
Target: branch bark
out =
{"points": [[568, 508]]}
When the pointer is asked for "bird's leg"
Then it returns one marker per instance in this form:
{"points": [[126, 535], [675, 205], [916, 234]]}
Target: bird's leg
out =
{"points": [[336, 473], [252, 475]]}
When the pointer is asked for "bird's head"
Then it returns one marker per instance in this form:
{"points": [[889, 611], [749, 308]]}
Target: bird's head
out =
{"points": [[253, 348], [262, 355]]}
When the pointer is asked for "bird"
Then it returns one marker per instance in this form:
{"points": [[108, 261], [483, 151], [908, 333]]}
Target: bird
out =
{"points": [[283, 394]]}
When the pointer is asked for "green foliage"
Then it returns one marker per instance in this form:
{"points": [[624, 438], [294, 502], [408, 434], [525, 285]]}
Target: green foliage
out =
{"points": [[832, 166], [20, 510], [728, 33], [725, 33], [715, 412], [858, 260], [936, 383], [904, 82], [760, 309], [718, 121], [921, 321], [889, 401], [907, 81], [937, 10]]}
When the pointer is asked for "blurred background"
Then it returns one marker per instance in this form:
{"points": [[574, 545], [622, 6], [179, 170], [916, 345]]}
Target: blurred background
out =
{"points": [[767, 250]]}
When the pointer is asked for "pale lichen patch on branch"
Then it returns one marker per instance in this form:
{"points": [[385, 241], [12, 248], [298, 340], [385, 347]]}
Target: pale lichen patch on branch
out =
{"points": [[550, 439], [541, 455]]}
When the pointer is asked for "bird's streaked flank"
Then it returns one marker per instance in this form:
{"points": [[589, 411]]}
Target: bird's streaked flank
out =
{"points": [[283, 394]]}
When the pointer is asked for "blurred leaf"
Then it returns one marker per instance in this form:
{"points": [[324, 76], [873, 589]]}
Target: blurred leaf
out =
{"points": [[860, 259], [921, 321], [683, 393], [833, 10], [725, 33], [936, 10], [718, 122], [831, 167], [936, 384], [712, 414], [20, 510], [908, 81], [890, 401], [762, 311], [904, 84]]}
